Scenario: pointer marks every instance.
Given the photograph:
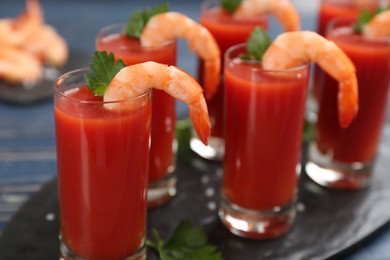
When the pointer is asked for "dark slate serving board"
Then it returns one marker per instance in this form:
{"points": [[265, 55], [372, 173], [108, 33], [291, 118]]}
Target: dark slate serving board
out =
{"points": [[329, 223]]}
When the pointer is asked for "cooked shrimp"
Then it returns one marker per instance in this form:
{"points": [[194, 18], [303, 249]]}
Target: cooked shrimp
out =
{"points": [[16, 31], [172, 25], [48, 45], [378, 26], [283, 10], [292, 48], [136, 79], [17, 66]]}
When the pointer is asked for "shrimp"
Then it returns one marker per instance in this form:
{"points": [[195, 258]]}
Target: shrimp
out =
{"points": [[29, 32], [16, 31], [136, 79], [292, 48], [283, 10], [378, 26], [17, 66], [171, 25], [48, 45]]}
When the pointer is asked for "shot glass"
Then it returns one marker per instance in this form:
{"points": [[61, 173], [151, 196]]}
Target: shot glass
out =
{"points": [[102, 158], [344, 158], [264, 111], [227, 31], [330, 9], [162, 180]]}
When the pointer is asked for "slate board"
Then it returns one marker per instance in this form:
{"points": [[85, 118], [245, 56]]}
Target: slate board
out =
{"points": [[329, 223]]}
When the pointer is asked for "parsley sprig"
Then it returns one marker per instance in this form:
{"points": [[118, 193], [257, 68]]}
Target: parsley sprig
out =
{"points": [[230, 5], [187, 242], [139, 19], [256, 45], [366, 16], [104, 68]]}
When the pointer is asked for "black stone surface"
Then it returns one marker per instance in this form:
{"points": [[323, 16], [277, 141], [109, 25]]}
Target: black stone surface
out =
{"points": [[329, 223]]}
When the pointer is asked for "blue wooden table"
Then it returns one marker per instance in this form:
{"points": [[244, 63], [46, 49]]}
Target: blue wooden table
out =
{"points": [[27, 139]]}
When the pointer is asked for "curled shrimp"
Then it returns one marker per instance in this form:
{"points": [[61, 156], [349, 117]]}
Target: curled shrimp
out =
{"points": [[17, 66], [283, 10], [292, 48], [378, 26], [135, 80], [16, 31], [172, 25], [29, 32], [48, 45]]}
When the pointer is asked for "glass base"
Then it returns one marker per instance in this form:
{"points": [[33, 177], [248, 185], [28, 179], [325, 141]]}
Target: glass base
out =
{"points": [[67, 254], [214, 151], [161, 191], [257, 224], [337, 175]]}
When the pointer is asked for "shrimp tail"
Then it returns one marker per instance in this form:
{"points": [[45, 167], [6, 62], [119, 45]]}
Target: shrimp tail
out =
{"points": [[211, 76], [200, 119], [347, 101]]}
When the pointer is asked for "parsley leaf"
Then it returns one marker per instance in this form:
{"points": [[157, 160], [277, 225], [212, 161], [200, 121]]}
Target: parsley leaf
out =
{"points": [[187, 242], [308, 131], [104, 68], [365, 16], [230, 5], [256, 45], [139, 19]]}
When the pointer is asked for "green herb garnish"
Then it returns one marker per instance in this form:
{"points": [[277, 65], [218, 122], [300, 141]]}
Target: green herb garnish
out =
{"points": [[139, 19], [308, 131], [256, 45], [365, 16], [187, 242], [230, 5], [104, 68]]}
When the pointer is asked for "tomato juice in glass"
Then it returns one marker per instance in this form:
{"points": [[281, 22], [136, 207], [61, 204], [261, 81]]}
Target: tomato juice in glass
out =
{"points": [[330, 9], [162, 157], [264, 114], [102, 158], [350, 153], [227, 31]]}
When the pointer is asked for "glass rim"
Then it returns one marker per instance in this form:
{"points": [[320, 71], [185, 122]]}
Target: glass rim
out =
{"points": [[61, 79], [349, 22], [258, 62], [120, 27], [208, 4]]}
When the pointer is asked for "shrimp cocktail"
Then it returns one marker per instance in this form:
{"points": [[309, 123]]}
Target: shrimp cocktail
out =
{"points": [[266, 86], [344, 158], [157, 42], [103, 121], [231, 22], [330, 9]]}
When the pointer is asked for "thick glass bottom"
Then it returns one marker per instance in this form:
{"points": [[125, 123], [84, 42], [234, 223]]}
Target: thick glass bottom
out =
{"points": [[67, 254], [214, 151], [257, 224], [337, 175], [161, 191]]}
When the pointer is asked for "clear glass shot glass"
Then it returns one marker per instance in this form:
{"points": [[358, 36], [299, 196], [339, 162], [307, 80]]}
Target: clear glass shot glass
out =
{"points": [[227, 31], [345, 158], [264, 111], [162, 177], [102, 158]]}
